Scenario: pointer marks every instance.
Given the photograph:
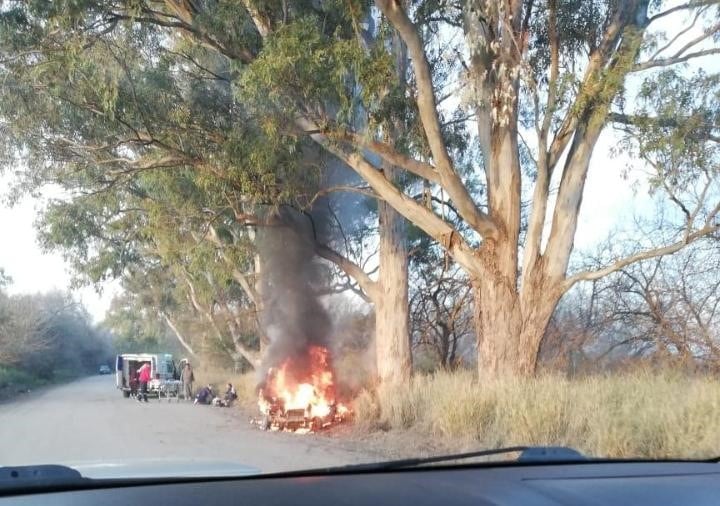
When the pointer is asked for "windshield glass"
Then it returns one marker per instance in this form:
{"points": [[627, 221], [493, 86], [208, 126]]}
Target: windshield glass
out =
{"points": [[255, 238]]}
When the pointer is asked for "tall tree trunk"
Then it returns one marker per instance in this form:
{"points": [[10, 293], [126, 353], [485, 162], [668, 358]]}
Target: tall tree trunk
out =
{"points": [[444, 345], [451, 361], [392, 311], [510, 327], [498, 314], [392, 337]]}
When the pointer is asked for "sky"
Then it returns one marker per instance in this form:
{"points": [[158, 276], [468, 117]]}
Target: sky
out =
{"points": [[32, 270], [609, 200]]}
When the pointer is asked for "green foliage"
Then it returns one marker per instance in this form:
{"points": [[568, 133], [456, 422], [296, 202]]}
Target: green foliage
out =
{"points": [[168, 143], [133, 331], [109, 100], [676, 115], [12, 377], [301, 67], [580, 26]]}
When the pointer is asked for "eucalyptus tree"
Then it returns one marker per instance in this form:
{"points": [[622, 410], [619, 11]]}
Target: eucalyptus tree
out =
{"points": [[95, 100], [542, 81], [539, 81]]}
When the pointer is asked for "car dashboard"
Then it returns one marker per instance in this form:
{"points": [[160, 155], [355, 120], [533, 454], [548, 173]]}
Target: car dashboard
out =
{"points": [[592, 483]]}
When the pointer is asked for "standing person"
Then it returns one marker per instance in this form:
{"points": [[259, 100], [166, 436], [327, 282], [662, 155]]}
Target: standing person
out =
{"points": [[187, 377], [144, 379]]}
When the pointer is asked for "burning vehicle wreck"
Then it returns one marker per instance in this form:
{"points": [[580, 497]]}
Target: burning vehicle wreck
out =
{"points": [[298, 388], [300, 394], [277, 417]]}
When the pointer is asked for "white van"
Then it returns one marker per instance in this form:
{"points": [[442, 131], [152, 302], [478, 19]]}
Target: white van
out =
{"points": [[162, 370]]}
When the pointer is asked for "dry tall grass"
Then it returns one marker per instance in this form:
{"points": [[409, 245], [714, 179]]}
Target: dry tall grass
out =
{"points": [[217, 377], [631, 415]]}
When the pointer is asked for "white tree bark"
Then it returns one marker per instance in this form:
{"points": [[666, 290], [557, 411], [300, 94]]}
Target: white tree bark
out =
{"points": [[178, 334], [513, 302], [239, 348], [392, 335]]}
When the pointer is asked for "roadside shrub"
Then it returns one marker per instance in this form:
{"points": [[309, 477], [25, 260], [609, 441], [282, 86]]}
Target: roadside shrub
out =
{"points": [[366, 411], [638, 414], [11, 377]]}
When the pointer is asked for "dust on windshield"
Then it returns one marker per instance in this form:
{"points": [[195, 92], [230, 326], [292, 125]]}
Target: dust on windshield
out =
{"points": [[245, 237]]}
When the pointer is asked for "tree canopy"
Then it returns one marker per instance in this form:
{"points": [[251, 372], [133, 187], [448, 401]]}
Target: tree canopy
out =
{"points": [[174, 125]]}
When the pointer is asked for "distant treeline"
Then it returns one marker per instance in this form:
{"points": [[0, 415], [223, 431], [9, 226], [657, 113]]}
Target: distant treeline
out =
{"points": [[48, 337]]}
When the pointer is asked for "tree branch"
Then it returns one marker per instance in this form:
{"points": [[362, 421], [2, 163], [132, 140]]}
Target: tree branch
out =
{"points": [[430, 120], [428, 221], [252, 356], [353, 270], [678, 35], [644, 255], [237, 275], [243, 55], [617, 53], [598, 59], [423, 75], [390, 155], [667, 122], [541, 192], [177, 333], [685, 6], [665, 62], [343, 188], [262, 24]]}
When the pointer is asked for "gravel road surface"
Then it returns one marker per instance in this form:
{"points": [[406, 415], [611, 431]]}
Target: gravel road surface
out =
{"points": [[89, 421]]}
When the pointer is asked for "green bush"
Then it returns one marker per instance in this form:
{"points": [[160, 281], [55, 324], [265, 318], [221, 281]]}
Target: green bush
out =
{"points": [[11, 377]]}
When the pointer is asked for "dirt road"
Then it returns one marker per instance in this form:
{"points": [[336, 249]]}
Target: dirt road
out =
{"points": [[89, 420]]}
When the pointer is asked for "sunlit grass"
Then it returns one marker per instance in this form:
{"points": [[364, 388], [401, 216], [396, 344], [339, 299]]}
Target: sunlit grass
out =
{"points": [[640, 414], [631, 415]]}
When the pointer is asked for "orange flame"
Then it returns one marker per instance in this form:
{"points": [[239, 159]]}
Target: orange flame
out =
{"points": [[305, 383]]}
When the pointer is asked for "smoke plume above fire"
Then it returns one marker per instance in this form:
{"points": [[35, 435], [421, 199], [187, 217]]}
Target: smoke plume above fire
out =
{"points": [[293, 318], [297, 386]]}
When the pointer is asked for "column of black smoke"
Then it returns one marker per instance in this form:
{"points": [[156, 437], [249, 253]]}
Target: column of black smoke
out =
{"points": [[293, 318]]}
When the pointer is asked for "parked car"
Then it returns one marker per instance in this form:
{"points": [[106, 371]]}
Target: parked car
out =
{"points": [[105, 369]]}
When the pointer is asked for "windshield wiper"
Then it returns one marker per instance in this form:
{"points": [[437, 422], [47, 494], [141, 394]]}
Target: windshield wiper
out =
{"points": [[528, 454]]}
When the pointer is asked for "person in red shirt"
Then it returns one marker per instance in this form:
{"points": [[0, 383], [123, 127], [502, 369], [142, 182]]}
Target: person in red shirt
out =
{"points": [[143, 379]]}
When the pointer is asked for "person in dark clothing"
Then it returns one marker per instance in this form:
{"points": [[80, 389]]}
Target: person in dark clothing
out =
{"points": [[228, 398], [143, 379], [230, 394], [205, 395]]}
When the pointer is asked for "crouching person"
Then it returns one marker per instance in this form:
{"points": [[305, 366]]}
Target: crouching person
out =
{"points": [[205, 395], [230, 394], [227, 399]]}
